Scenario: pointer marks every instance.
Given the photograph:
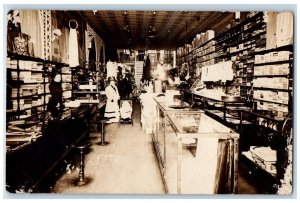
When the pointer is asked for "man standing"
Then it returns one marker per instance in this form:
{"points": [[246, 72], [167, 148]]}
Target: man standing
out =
{"points": [[127, 86]]}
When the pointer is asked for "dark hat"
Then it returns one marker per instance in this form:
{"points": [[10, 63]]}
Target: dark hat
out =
{"points": [[111, 79]]}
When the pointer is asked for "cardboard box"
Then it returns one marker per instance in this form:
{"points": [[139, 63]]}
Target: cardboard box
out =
{"points": [[209, 34]]}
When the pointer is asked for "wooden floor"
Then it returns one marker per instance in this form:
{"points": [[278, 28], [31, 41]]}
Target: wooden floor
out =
{"points": [[126, 166]]}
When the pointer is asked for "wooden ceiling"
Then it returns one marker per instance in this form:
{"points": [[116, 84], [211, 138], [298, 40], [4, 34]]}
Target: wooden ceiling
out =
{"points": [[138, 29]]}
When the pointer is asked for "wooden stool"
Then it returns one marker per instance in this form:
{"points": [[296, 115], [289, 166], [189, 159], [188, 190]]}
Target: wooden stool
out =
{"points": [[82, 147], [103, 142]]}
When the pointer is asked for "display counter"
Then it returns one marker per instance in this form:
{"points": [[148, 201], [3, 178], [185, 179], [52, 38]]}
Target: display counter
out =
{"points": [[162, 108], [201, 155]]}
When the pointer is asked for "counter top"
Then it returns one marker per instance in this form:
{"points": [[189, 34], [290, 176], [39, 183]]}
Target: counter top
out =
{"points": [[192, 126], [221, 98], [178, 107]]}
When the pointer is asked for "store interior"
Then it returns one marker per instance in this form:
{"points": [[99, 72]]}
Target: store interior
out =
{"points": [[149, 102]]}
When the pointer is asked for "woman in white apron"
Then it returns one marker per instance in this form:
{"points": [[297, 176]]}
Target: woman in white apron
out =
{"points": [[112, 110]]}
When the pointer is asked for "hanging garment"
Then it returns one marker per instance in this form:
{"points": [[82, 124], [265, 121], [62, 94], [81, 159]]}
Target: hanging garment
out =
{"points": [[112, 69], [227, 73], [161, 73], [112, 107], [31, 25], [21, 44], [73, 48]]}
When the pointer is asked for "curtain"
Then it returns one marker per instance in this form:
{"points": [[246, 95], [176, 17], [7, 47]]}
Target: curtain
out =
{"points": [[55, 52], [30, 25], [64, 44], [99, 60], [61, 44]]}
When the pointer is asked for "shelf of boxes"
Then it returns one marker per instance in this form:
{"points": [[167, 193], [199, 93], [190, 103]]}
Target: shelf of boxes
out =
{"points": [[272, 82], [28, 80]]}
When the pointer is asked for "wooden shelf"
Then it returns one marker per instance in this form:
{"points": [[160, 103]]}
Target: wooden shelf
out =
{"points": [[21, 82], [243, 68], [271, 101], [256, 26], [247, 39], [56, 63], [15, 56], [223, 34], [271, 76], [243, 76], [272, 63], [202, 45], [35, 71], [33, 95], [87, 92], [282, 48], [273, 89], [239, 26]]}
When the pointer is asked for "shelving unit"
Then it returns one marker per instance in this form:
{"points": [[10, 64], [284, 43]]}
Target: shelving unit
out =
{"points": [[274, 102], [17, 65], [28, 80], [264, 77], [266, 132], [234, 44], [273, 80]]}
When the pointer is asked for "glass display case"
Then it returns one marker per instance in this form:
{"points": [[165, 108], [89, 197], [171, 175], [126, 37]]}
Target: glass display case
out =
{"points": [[201, 154], [162, 108]]}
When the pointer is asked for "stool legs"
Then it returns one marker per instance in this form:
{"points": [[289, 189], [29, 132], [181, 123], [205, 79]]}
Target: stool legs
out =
{"points": [[81, 168], [103, 142]]}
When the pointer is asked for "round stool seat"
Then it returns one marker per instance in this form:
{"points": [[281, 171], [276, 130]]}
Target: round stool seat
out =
{"points": [[104, 120], [83, 145]]}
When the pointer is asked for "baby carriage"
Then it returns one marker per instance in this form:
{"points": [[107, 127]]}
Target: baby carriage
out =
{"points": [[126, 111]]}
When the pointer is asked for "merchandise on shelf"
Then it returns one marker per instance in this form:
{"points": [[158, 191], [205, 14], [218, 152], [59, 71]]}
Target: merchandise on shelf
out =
{"points": [[272, 70], [272, 57], [265, 157], [276, 83]]}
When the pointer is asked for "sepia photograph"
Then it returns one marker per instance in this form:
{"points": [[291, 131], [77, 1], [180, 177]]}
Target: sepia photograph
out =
{"points": [[149, 101]]}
